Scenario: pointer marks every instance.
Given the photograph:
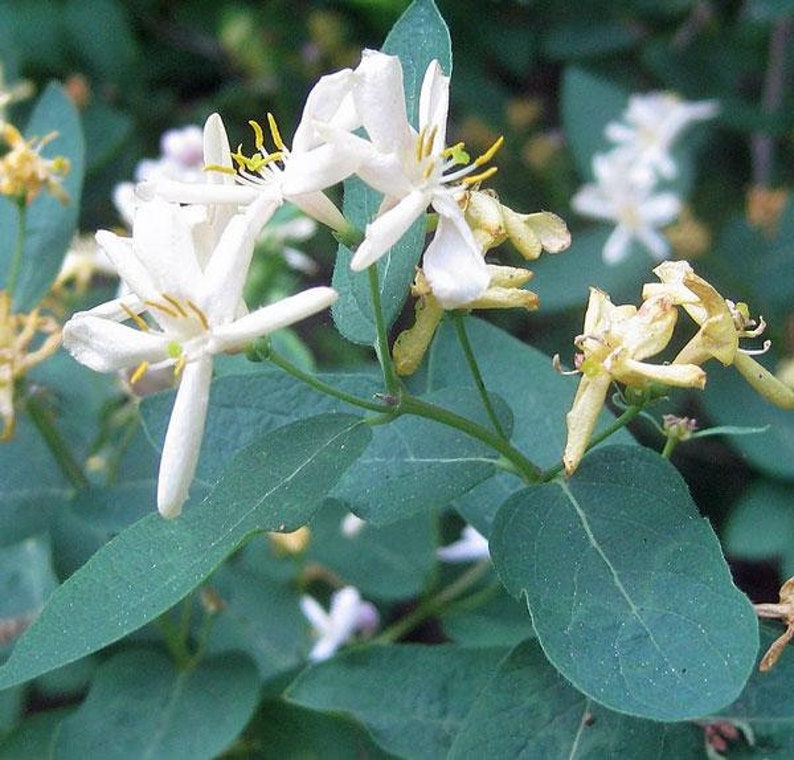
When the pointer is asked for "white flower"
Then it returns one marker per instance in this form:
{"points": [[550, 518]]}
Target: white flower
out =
{"points": [[623, 195], [415, 169], [297, 174], [471, 547], [351, 525], [195, 315], [653, 122], [347, 615]]}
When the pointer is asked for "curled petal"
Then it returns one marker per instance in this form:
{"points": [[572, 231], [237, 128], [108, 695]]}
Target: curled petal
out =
{"points": [[581, 420], [183, 437]]}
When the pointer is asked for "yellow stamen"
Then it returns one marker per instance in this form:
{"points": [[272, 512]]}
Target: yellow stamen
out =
{"points": [[490, 153], [420, 144], [259, 135], [199, 313], [431, 138], [474, 179], [175, 303], [277, 141], [219, 168], [164, 309], [140, 371], [428, 170], [180, 365], [453, 149], [135, 318]]}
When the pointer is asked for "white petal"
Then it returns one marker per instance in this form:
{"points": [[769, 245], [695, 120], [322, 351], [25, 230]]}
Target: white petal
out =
{"points": [[471, 547], [380, 99], [217, 151], [434, 103], [107, 346], [131, 270], [199, 192], [660, 209], [320, 207], [234, 336], [183, 437], [617, 246], [655, 242], [589, 200], [315, 614], [454, 265], [388, 228], [344, 610], [330, 101]]}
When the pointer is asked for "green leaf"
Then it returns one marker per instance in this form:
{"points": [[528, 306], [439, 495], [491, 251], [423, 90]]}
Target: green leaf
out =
{"points": [[388, 563], [412, 698], [34, 737], [415, 464], [629, 593], [50, 224], [192, 713], [528, 710], [274, 484], [419, 36], [760, 525], [283, 730], [582, 39]]}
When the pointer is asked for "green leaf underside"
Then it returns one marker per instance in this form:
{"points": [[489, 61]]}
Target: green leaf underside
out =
{"points": [[412, 698], [176, 713], [50, 224], [274, 484], [528, 710], [629, 593], [418, 37], [415, 464]]}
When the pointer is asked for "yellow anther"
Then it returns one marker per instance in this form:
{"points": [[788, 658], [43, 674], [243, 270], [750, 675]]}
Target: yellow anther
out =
{"points": [[140, 371], [277, 141], [160, 307], [219, 168], [490, 153], [474, 179], [431, 137], [428, 170], [420, 147], [179, 365], [135, 318], [259, 135], [199, 313], [175, 303]]}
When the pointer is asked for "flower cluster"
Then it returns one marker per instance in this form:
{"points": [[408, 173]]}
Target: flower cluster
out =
{"points": [[616, 340], [24, 172], [193, 235], [626, 188]]}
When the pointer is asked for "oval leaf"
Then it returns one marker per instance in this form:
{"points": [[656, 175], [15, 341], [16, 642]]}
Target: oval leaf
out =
{"points": [[629, 593]]}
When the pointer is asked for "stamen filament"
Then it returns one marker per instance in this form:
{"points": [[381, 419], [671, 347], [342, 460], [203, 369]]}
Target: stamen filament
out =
{"points": [[490, 153], [200, 314], [481, 177], [179, 365], [175, 303], [135, 318], [219, 168], [259, 135], [431, 137], [164, 309], [420, 147]]}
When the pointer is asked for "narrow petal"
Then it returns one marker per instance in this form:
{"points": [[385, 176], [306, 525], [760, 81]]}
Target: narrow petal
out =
{"points": [[317, 169], [234, 336], [617, 246], [454, 265], [199, 192], [330, 101], [581, 420], [183, 437], [320, 207], [434, 103], [131, 270], [315, 614], [107, 346], [388, 228], [217, 151]]}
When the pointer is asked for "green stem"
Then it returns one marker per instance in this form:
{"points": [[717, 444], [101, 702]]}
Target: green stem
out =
{"points": [[627, 416], [434, 604], [323, 387], [43, 420], [16, 260], [468, 352], [384, 354], [669, 445], [523, 466]]}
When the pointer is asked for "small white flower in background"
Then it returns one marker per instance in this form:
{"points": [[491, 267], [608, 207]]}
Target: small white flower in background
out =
{"points": [[471, 547], [348, 615], [351, 525], [650, 126], [626, 197], [195, 314], [83, 260], [416, 170]]}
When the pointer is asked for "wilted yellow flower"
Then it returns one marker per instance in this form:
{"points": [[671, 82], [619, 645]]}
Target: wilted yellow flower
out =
{"points": [[295, 542], [764, 207], [24, 173], [612, 346], [17, 332], [722, 323]]}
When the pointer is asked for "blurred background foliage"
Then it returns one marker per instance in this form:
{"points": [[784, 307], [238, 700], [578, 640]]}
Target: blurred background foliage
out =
{"points": [[136, 68]]}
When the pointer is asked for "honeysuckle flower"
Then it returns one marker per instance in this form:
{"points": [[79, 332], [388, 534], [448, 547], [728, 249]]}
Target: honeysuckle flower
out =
{"points": [[722, 324], [24, 172], [650, 126], [83, 260], [297, 174], [624, 195], [194, 314], [348, 615], [612, 346], [22, 90], [351, 525], [504, 291], [415, 169], [295, 542], [492, 223], [17, 332], [472, 546]]}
